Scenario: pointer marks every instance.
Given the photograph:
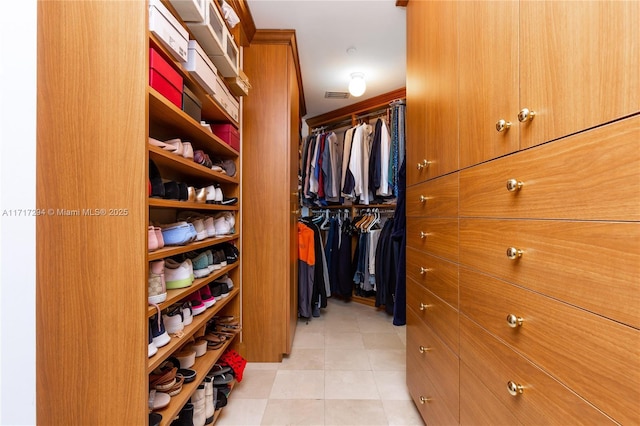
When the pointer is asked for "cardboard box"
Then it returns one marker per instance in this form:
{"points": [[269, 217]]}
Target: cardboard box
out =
{"points": [[190, 10], [168, 30], [164, 78], [201, 68], [191, 104], [228, 133]]}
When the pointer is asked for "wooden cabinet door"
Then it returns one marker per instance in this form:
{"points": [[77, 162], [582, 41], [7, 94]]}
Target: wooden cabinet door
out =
{"points": [[416, 87], [579, 65], [488, 49], [441, 78], [294, 207]]}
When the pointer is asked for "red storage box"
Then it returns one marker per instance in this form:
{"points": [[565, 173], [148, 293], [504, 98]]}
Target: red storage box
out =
{"points": [[227, 133], [164, 78]]}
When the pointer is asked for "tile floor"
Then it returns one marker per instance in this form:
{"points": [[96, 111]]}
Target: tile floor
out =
{"points": [[346, 368]]}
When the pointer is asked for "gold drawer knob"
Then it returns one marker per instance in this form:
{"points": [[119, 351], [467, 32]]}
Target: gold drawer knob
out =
{"points": [[424, 164], [503, 125], [423, 199], [424, 349], [514, 253], [423, 235], [424, 270], [514, 185], [514, 321], [424, 399], [525, 115], [515, 389], [424, 306]]}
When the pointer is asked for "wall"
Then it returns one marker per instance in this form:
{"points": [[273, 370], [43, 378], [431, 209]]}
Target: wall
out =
{"points": [[18, 34]]}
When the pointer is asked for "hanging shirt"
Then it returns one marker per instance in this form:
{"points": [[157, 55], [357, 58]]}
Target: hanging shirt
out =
{"points": [[347, 176], [306, 269], [367, 131], [355, 162], [385, 147]]}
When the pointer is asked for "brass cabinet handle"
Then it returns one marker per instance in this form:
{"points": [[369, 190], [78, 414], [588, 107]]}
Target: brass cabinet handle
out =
{"points": [[423, 349], [514, 253], [515, 389], [296, 212], [424, 306], [424, 164], [514, 321], [424, 270], [514, 185], [423, 235], [423, 198], [503, 125], [525, 115], [424, 399]]}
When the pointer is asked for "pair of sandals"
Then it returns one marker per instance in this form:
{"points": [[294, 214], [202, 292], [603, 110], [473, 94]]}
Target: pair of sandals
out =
{"points": [[216, 339]]}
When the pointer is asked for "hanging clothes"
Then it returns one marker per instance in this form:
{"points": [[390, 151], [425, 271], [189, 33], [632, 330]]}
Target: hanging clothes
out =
{"points": [[306, 269], [400, 236]]}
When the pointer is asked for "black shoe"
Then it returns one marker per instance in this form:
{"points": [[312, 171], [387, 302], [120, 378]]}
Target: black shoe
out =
{"points": [[157, 188], [231, 253], [185, 417], [229, 201]]}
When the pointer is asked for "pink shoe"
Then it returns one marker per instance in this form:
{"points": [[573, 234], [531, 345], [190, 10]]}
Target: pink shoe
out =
{"points": [[158, 231], [153, 239]]}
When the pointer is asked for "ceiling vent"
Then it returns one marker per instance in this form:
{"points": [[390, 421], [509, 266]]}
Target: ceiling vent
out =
{"points": [[336, 95]]}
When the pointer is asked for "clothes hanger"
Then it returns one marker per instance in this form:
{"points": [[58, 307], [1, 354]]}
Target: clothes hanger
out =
{"points": [[325, 224]]}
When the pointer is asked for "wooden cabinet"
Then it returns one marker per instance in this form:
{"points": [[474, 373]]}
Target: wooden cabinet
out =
{"points": [[92, 268], [270, 162], [432, 69], [545, 57], [538, 229]]}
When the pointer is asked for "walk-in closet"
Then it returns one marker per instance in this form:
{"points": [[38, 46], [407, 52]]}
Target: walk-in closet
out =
{"points": [[266, 212]]}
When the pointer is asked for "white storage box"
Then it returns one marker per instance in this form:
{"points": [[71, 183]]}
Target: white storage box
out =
{"points": [[228, 62], [190, 10], [233, 107], [168, 30], [201, 68], [220, 94], [210, 33]]}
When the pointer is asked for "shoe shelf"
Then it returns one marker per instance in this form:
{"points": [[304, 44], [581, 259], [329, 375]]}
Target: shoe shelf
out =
{"points": [[173, 250], [202, 366], [178, 168], [199, 321], [211, 111], [160, 202], [178, 294], [167, 119]]}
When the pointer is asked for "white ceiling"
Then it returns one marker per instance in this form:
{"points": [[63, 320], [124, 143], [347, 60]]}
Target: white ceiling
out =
{"points": [[325, 29]]}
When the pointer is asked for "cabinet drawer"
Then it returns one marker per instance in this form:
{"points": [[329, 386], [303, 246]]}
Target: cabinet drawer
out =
{"points": [[543, 400], [598, 358], [590, 175], [434, 198], [594, 265], [435, 361], [434, 312], [436, 236], [478, 406], [424, 394], [440, 276]]}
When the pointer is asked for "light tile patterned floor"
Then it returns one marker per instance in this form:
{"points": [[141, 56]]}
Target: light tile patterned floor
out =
{"points": [[346, 368]]}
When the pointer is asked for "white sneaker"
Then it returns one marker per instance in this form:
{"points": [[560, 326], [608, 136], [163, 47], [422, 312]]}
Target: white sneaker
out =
{"points": [[200, 228], [187, 150], [173, 321], [198, 401], [211, 194], [222, 226], [209, 226], [178, 275]]}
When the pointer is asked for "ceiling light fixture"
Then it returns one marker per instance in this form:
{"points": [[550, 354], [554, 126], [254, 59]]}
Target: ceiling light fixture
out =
{"points": [[357, 85]]}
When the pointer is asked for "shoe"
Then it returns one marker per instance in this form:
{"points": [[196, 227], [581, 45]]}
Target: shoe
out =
{"points": [[201, 195], [222, 226], [220, 289], [157, 187], [159, 333], [171, 191], [224, 280], [201, 158], [207, 297], [209, 226], [158, 400], [217, 260], [186, 357], [155, 419], [218, 198], [211, 194], [158, 232], [187, 313], [183, 191], [223, 258], [185, 417], [177, 143], [187, 150], [316, 310], [197, 307], [178, 233], [163, 145], [157, 287], [208, 400], [229, 167], [191, 194], [229, 201], [201, 231], [201, 265], [152, 348], [178, 275], [230, 217], [231, 252], [209, 254], [173, 320], [197, 399], [152, 241]]}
